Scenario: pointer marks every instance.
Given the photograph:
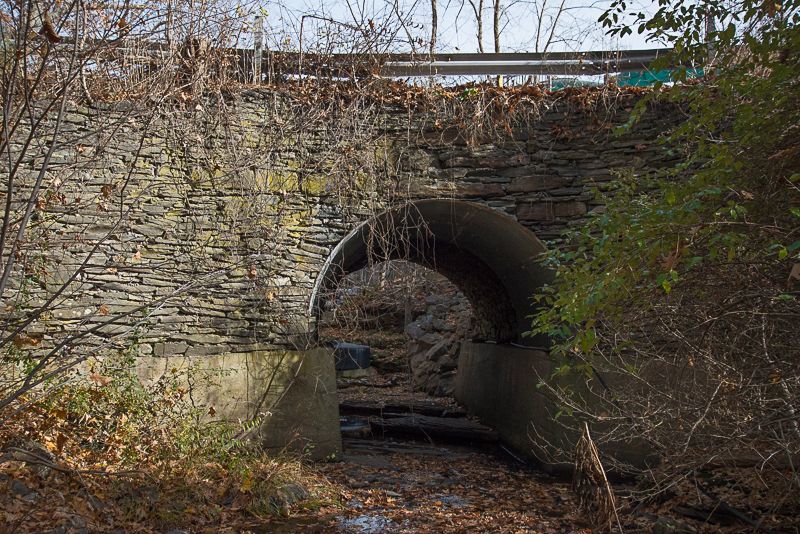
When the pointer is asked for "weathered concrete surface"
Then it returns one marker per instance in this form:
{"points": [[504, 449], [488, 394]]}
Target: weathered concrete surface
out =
{"points": [[498, 383], [293, 394], [487, 254]]}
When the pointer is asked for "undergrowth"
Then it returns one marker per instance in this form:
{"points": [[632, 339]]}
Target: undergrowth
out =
{"points": [[112, 451]]}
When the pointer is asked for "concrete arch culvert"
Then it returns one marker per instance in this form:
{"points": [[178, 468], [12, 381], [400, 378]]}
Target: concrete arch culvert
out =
{"points": [[488, 255]]}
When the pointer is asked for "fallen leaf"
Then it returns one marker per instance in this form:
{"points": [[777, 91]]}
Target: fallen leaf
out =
{"points": [[794, 274], [99, 379], [24, 340], [61, 440]]}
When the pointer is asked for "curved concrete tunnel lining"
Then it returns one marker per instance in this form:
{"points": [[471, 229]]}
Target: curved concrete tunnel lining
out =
{"points": [[487, 254]]}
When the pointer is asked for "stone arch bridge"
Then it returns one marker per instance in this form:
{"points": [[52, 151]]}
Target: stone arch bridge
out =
{"points": [[234, 239]]}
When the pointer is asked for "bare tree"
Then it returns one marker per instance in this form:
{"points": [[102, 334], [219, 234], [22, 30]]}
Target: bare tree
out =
{"points": [[434, 25], [496, 12], [477, 9]]}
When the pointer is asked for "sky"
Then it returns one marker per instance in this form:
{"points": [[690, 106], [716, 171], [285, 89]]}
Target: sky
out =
{"points": [[571, 23]]}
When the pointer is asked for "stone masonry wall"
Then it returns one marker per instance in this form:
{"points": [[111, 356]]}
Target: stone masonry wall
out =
{"points": [[213, 234]]}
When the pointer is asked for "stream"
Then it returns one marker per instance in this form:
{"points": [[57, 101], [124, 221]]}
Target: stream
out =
{"points": [[401, 481]]}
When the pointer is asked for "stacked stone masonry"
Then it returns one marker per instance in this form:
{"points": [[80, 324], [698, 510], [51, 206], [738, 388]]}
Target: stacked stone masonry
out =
{"points": [[212, 236]]}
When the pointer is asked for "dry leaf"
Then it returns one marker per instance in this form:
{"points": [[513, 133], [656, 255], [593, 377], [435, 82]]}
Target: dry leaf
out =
{"points": [[61, 440], [672, 259], [99, 379], [794, 274], [24, 340], [48, 30]]}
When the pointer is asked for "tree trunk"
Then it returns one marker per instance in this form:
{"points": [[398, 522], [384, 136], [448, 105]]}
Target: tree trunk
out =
{"points": [[434, 25], [478, 10], [496, 20], [496, 14]]}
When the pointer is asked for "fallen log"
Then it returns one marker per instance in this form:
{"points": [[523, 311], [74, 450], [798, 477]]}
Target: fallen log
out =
{"points": [[358, 407], [443, 428]]}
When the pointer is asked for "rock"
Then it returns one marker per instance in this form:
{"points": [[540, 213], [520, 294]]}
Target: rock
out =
{"points": [[287, 495], [78, 525], [426, 322], [358, 373], [433, 299], [19, 488], [414, 330], [293, 493], [440, 349], [431, 354], [446, 385], [443, 326], [665, 525], [435, 342], [419, 160], [422, 372], [31, 452], [449, 361]]}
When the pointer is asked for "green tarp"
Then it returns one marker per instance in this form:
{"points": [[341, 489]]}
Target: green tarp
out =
{"points": [[644, 78]]}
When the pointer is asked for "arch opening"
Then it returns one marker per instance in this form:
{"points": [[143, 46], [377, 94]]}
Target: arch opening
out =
{"points": [[488, 255], [413, 321]]}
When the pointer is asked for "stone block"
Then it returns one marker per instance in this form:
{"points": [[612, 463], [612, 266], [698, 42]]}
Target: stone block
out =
{"points": [[207, 350], [548, 210], [537, 182], [499, 162], [479, 190], [569, 209], [170, 348], [535, 211], [419, 160]]}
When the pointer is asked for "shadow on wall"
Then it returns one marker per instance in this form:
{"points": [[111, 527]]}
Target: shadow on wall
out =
{"points": [[487, 254], [290, 394], [499, 384]]}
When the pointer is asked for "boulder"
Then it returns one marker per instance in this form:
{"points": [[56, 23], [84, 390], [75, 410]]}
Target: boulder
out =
{"points": [[435, 343]]}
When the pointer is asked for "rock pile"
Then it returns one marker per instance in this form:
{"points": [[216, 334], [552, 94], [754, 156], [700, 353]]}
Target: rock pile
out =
{"points": [[435, 342]]}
